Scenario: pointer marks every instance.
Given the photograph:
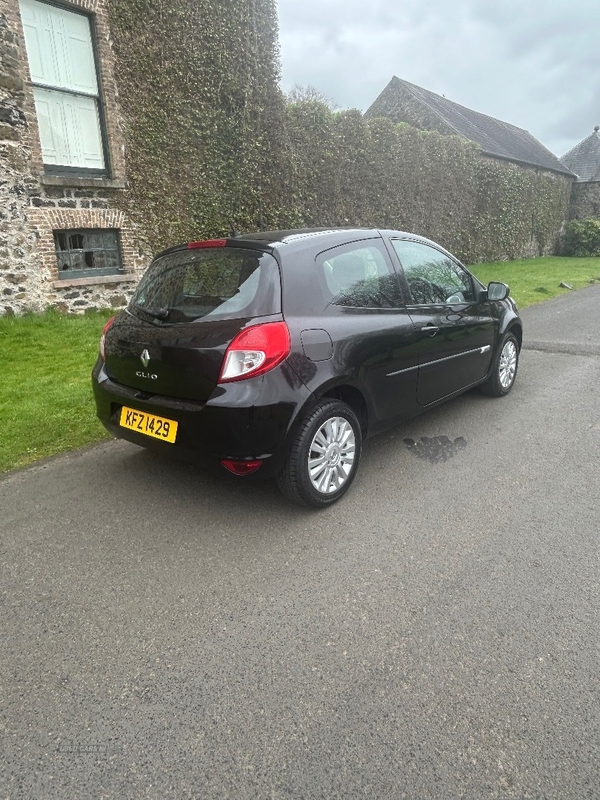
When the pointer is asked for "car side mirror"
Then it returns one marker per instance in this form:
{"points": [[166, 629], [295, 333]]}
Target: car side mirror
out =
{"points": [[497, 290]]}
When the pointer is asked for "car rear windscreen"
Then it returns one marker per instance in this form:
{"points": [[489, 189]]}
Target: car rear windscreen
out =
{"points": [[219, 282]]}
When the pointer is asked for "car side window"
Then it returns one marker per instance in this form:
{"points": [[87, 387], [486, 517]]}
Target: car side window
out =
{"points": [[433, 277], [359, 276]]}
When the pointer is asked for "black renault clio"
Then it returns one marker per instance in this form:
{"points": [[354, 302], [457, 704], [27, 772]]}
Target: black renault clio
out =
{"points": [[278, 353]]}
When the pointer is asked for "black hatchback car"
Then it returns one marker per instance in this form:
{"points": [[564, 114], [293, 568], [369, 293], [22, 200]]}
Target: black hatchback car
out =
{"points": [[278, 353]]}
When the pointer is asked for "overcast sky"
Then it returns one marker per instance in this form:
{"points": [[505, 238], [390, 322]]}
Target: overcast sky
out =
{"points": [[533, 64]]}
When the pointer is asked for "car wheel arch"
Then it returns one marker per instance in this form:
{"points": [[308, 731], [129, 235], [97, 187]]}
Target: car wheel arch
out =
{"points": [[517, 332], [511, 324], [345, 392], [354, 398]]}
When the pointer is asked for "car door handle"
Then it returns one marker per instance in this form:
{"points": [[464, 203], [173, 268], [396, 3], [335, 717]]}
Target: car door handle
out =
{"points": [[430, 330]]}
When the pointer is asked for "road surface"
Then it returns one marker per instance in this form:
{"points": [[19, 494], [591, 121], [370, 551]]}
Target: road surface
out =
{"points": [[172, 634]]}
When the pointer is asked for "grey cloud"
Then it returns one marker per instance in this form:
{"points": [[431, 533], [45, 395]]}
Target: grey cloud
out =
{"points": [[533, 65]]}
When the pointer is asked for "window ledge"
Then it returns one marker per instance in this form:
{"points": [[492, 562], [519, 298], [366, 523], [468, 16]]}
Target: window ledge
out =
{"points": [[94, 280], [83, 183]]}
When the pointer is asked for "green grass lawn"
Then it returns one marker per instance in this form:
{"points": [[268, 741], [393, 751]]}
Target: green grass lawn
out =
{"points": [[46, 404], [533, 280]]}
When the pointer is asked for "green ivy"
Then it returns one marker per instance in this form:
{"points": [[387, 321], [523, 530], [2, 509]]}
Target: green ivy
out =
{"points": [[342, 169], [198, 88], [212, 143]]}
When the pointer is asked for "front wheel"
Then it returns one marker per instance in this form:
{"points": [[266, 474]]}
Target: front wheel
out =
{"points": [[324, 456], [504, 372]]}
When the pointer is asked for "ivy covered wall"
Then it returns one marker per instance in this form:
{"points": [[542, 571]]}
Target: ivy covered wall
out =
{"points": [[198, 91], [342, 169], [585, 200], [212, 143]]}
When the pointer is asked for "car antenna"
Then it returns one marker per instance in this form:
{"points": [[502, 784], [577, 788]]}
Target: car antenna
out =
{"points": [[233, 233]]}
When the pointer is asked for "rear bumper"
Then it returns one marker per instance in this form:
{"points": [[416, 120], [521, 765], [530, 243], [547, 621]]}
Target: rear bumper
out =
{"points": [[242, 420]]}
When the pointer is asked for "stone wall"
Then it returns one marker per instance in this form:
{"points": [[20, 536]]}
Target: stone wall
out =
{"points": [[18, 277], [585, 200], [34, 204]]}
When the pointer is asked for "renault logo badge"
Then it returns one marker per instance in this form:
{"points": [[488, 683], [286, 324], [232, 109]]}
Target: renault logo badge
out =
{"points": [[145, 358]]}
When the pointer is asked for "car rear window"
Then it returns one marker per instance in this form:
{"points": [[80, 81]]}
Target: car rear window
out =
{"points": [[359, 276], [220, 282]]}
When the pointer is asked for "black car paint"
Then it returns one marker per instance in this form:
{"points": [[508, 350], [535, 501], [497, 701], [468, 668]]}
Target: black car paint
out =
{"points": [[381, 361], [190, 354], [243, 419]]}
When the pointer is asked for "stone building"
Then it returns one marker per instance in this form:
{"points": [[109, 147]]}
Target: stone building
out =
{"points": [[64, 242], [126, 127], [584, 161]]}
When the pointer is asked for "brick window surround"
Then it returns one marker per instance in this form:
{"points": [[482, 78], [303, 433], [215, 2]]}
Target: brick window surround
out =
{"points": [[48, 220]]}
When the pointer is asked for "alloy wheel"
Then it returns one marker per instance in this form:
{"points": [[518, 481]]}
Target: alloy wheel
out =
{"points": [[507, 365], [331, 455]]}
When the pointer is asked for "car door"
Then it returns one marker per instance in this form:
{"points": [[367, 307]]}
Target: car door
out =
{"points": [[373, 338], [455, 329]]}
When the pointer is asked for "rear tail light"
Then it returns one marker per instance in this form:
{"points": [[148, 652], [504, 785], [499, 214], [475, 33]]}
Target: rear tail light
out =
{"points": [[103, 337], [255, 350]]}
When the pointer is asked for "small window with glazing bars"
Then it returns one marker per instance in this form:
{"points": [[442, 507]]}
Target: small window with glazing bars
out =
{"points": [[87, 252]]}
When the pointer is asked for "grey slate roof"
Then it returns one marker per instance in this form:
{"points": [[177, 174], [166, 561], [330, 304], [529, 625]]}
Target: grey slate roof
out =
{"points": [[496, 138], [584, 158]]}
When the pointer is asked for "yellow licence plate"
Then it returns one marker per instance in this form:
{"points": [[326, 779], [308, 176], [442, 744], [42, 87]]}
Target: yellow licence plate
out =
{"points": [[148, 424]]}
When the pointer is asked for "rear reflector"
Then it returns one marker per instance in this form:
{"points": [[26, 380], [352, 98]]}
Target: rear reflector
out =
{"points": [[256, 350], [207, 243], [241, 467]]}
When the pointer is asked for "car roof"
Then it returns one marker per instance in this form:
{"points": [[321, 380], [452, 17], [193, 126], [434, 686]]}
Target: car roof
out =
{"points": [[302, 236], [320, 237], [308, 238]]}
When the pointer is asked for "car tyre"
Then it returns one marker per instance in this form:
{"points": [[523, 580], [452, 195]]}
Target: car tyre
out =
{"points": [[504, 372], [323, 458]]}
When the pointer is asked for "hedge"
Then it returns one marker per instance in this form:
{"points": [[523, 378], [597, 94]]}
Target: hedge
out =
{"points": [[212, 144], [581, 238]]}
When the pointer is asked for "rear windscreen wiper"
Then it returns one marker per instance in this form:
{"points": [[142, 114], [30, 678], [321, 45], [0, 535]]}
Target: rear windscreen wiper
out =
{"points": [[156, 313]]}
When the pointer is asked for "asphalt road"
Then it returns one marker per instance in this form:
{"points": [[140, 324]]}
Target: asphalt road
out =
{"points": [[171, 634]]}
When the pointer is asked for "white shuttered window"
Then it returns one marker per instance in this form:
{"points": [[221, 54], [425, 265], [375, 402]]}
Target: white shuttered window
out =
{"points": [[65, 85]]}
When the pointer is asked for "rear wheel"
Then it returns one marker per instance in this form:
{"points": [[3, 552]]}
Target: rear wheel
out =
{"points": [[504, 371], [324, 456]]}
